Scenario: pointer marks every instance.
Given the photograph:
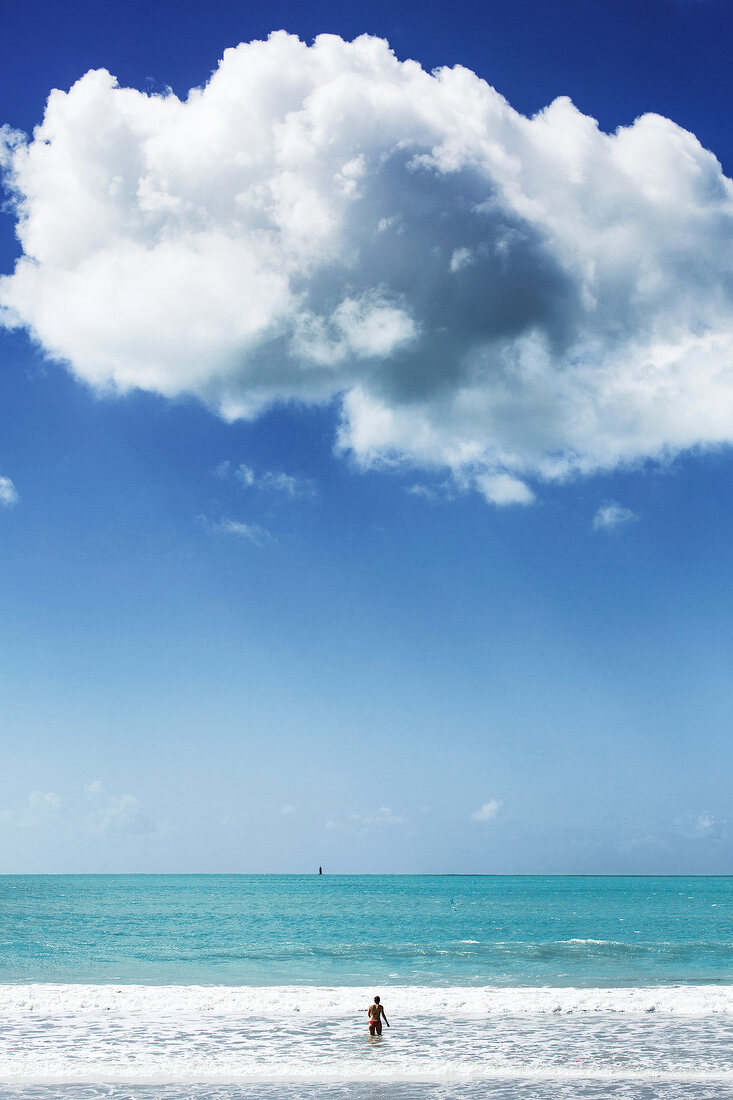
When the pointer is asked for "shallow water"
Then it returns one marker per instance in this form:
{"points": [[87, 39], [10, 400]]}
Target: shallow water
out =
{"points": [[633, 1089], [236, 987], [147, 1037]]}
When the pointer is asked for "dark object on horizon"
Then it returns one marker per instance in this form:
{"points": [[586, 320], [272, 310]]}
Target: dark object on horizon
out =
{"points": [[320, 870]]}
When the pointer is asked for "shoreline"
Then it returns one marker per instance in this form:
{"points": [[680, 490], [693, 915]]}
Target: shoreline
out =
{"points": [[688, 998], [521, 1074], [235, 1040]]}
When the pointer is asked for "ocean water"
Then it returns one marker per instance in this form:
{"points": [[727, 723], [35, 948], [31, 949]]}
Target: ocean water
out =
{"points": [[236, 987]]}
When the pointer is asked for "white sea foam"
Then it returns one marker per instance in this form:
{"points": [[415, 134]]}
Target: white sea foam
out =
{"points": [[415, 1002], [123, 1033]]}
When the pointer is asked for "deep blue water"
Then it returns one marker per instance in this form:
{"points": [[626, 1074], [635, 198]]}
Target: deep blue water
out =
{"points": [[347, 930]]}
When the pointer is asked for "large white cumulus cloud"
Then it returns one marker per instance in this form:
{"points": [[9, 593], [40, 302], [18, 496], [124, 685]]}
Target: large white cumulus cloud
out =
{"points": [[508, 297]]}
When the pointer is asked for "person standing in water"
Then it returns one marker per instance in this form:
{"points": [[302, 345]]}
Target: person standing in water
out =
{"points": [[376, 1014]]}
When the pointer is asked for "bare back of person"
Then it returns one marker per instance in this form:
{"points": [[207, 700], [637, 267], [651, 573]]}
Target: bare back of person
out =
{"points": [[376, 1014]]}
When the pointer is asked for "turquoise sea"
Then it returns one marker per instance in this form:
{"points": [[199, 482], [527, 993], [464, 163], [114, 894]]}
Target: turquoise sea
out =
{"points": [[234, 986], [346, 930]]}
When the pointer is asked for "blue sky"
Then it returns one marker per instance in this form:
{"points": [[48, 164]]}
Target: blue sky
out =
{"points": [[382, 522]]}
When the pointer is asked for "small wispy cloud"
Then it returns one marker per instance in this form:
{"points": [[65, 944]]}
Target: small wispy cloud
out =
{"points": [[385, 815], [612, 515], [503, 489], [269, 481], [287, 810], [500, 489], [701, 826], [41, 808], [369, 819], [488, 811], [8, 493], [460, 258], [438, 493], [111, 813], [251, 532], [424, 492], [95, 811], [276, 482]]}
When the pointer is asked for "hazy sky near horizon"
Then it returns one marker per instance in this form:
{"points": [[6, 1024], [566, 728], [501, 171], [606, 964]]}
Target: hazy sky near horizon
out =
{"points": [[366, 411]]}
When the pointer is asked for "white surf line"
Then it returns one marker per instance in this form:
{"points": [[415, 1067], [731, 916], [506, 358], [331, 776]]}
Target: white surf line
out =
{"points": [[174, 1001], [534, 1075]]}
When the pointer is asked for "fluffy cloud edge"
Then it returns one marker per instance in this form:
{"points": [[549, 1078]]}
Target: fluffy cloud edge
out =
{"points": [[509, 300], [8, 493]]}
